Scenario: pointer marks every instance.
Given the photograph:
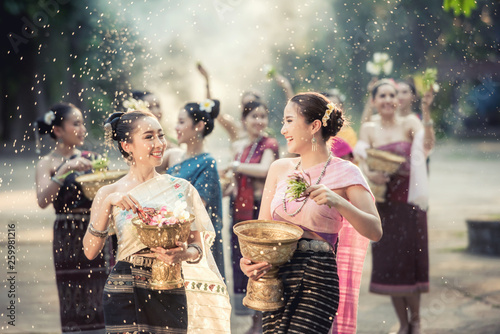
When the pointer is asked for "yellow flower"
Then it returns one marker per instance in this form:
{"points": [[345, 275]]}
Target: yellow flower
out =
{"points": [[328, 111]]}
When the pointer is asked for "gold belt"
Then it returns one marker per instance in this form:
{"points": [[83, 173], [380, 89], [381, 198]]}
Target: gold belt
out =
{"points": [[314, 245], [139, 261]]}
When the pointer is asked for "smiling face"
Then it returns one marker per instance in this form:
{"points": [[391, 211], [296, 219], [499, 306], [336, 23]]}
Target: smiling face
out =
{"points": [[72, 130], [385, 100], [186, 130], [256, 121], [297, 132], [148, 142], [405, 95]]}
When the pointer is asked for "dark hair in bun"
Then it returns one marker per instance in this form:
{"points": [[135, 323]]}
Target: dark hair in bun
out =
{"points": [[251, 106], [54, 117], [313, 107], [206, 111], [119, 127], [380, 83]]}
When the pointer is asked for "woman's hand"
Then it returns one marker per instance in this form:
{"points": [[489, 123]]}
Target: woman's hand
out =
{"points": [[78, 165], [173, 255], [323, 196], [427, 100], [254, 270], [124, 201]]}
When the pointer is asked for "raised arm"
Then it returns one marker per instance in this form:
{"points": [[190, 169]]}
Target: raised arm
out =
{"points": [[285, 84], [429, 134], [256, 170], [204, 73]]}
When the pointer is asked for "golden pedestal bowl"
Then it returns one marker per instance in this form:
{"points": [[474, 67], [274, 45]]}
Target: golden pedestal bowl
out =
{"points": [[382, 161], [164, 276], [91, 183], [268, 241]]}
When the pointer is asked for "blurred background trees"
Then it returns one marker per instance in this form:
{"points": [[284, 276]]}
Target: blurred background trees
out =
{"points": [[92, 54]]}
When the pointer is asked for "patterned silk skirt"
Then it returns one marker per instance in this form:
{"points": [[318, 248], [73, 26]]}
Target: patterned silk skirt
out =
{"points": [[131, 307], [79, 281], [311, 292]]}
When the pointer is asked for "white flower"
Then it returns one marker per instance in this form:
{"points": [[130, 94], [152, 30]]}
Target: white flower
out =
{"points": [[49, 117], [179, 210], [132, 104], [207, 105], [387, 67], [372, 68], [377, 57], [435, 87], [384, 57]]}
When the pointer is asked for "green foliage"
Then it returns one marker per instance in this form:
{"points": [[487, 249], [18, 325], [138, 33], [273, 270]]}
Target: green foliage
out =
{"points": [[459, 7]]}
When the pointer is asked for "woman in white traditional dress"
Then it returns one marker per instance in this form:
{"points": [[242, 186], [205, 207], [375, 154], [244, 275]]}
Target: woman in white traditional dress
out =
{"points": [[202, 304]]}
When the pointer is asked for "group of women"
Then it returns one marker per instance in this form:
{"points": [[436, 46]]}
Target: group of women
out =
{"points": [[338, 215]]}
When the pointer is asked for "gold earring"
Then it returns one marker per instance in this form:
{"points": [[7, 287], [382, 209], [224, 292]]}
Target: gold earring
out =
{"points": [[314, 144], [130, 157]]}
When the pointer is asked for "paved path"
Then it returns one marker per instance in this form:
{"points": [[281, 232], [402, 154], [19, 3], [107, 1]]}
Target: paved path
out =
{"points": [[465, 288]]}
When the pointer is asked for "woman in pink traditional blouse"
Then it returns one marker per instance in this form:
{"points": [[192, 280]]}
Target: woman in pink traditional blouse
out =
{"points": [[338, 194]]}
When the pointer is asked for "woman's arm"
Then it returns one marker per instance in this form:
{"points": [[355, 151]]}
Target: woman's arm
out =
{"points": [[359, 208], [256, 170], [270, 189], [99, 219], [47, 186], [257, 270], [285, 84], [101, 211], [204, 73], [429, 135]]}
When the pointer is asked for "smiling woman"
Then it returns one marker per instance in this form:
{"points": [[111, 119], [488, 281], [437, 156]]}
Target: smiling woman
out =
{"points": [[130, 303], [56, 184], [195, 122], [336, 212]]}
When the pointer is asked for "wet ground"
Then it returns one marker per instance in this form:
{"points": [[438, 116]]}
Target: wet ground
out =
{"points": [[465, 288]]}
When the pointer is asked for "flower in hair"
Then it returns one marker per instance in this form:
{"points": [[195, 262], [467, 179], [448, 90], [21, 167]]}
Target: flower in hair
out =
{"points": [[381, 64], [328, 111], [132, 104], [207, 105], [49, 117]]}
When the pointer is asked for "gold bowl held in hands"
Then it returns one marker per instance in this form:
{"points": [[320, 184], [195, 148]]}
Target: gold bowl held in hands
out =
{"points": [[164, 276], [382, 161], [91, 183], [268, 241]]}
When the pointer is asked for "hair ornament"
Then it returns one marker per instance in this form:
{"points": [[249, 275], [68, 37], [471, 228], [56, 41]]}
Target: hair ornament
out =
{"points": [[132, 104], [49, 117], [328, 111], [108, 134], [207, 105]]}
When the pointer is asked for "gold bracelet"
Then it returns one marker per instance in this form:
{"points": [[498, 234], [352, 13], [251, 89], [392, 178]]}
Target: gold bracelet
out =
{"points": [[96, 233], [200, 254]]}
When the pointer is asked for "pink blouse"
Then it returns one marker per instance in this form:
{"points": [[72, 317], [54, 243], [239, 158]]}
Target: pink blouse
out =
{"points": [[313, 217]]}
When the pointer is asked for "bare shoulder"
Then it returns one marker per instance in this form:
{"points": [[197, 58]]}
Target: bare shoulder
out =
{"points": [[412, 123], [366, 130], [280, 168]]}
